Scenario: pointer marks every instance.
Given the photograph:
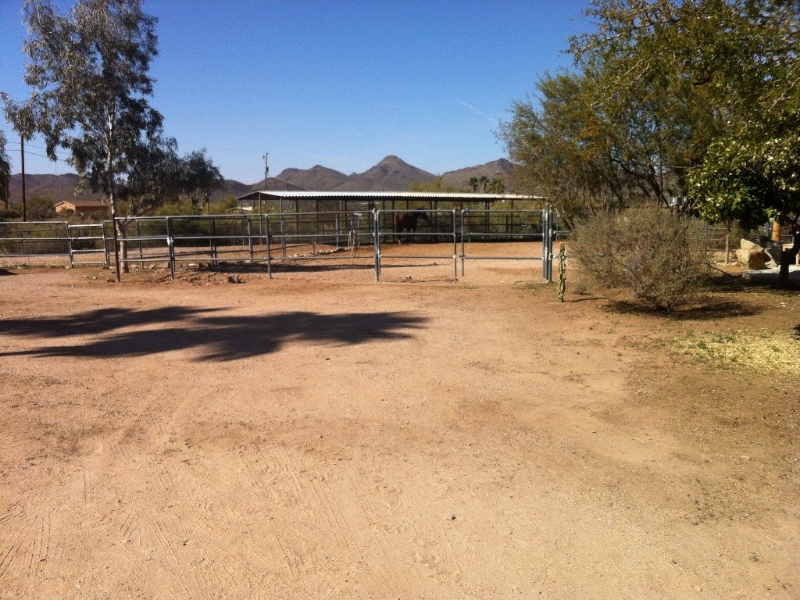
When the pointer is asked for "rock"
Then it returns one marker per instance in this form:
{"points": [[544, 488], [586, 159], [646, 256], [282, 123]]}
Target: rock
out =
{"points": [[751, 260], [746, 244], [751, 256]]}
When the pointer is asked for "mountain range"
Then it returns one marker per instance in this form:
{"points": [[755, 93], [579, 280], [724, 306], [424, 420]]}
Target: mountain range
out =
{"points": [[392, 174]]}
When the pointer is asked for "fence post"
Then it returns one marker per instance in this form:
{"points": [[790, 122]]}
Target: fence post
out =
{"points": [[213, 240], [139, 243], [455, 245], [464, 215], [547, 245], [269, 248], [376, 217], [69, 246], [171, 247], [250, 236]]}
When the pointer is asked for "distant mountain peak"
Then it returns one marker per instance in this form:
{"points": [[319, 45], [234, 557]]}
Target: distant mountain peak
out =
{"points": [[392, 173], [392, 160]]}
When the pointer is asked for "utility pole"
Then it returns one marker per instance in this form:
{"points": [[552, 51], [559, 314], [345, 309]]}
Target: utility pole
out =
{"points": [[266, 170], [266, 179]]}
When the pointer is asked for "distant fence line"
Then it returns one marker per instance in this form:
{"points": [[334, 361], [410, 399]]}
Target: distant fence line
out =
{"points": [[279, 237]]}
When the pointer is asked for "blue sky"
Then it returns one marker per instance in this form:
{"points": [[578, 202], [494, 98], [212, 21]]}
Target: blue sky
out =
{"points": [[341, 83]]}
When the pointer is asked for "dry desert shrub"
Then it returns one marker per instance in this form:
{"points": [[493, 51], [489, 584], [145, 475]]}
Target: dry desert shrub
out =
{"points": [[659, 257]]}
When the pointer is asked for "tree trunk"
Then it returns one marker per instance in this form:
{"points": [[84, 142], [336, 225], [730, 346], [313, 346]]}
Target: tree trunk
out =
{"points": [[727, 246], [119, 232], [789, 257], [22, 158]]}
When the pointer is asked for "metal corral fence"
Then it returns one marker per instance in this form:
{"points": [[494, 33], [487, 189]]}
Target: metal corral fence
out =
{"points": [[281, 237], [436, 226], [82, 244], [192, 238], [503, 225], [34, 238], [90, 244], [315, 236]]}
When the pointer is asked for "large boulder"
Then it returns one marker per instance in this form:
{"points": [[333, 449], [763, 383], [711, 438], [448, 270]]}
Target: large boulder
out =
{"points": [[751, 256]]}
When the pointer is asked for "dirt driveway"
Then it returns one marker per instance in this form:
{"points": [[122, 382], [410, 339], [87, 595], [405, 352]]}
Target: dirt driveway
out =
{"points": [[320, 435]]}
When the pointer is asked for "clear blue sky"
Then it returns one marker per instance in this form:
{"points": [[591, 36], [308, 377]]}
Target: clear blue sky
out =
{"points": [[341, 83]]}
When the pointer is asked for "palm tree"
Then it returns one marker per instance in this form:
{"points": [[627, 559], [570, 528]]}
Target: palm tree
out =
{"points": [[484, 181], [496, 186]]}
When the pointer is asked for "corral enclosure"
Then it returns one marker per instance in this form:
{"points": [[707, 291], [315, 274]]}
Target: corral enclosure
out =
{"points": [[320, 435], [348, 237]]}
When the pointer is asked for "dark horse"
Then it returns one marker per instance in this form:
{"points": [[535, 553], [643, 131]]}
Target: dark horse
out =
{"points": [[407, 221]]}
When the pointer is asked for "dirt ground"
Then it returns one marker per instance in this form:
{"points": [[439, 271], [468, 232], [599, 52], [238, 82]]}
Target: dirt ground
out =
{"points": [[322, 435]]}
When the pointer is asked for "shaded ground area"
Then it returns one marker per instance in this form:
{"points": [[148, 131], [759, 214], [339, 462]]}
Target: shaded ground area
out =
{"points": [[320, 435]]}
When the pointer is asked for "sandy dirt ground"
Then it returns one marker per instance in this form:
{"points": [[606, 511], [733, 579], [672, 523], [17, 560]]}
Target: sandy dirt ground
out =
{"points": [[321, 435]]}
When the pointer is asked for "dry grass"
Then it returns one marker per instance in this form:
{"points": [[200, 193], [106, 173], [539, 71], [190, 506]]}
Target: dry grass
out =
{"points": [[764, 351]]}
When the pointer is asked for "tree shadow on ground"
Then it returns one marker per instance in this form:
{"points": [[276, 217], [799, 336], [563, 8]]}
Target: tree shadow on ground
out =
{"points": [[220, 338], [709, 309]]}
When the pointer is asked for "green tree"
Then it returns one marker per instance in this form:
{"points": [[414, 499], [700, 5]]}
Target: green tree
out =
{"points": [[89, 73], [5, 172], [563, 149], [496, 186], [155, 177], [200, 177], [738, 61], [160, 177], [592, 146], [40, 208], [23, 119]]}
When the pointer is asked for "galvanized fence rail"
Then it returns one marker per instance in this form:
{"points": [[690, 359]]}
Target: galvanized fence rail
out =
{"points": [[278, 238], [445, 228], [86, 242], [504, 225], [33, 238], [191, 238], [333, 236]]}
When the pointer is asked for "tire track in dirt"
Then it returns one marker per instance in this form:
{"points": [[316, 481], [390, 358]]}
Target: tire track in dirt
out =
{"points": [[161, 534], [39, 545], [433, 550], [377, 534], [318, 502], [291, 559], [7, 558], [237, 554]]}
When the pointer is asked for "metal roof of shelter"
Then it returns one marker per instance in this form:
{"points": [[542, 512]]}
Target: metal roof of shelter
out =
{"points": [[381, 197], [310, 195]]}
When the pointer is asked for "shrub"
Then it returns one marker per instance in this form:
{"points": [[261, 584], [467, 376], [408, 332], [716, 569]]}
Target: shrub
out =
{"points": [[659, 257], [40, 208]]}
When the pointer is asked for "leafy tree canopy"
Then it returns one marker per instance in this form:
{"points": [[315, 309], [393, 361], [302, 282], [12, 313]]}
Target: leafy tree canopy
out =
{"points": [[670, 98], [739, 59], [89, 74], [159, 176]]}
